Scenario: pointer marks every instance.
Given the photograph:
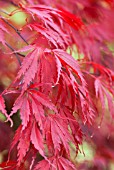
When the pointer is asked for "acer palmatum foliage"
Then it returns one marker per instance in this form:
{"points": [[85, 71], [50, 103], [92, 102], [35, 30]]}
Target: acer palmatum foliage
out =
{"points": [[62, 100]]}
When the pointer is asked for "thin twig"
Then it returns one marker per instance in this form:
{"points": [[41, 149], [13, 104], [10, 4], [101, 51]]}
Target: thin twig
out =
{"points": [[15, 29], [14, 53], [22, 55], [1, 10]]}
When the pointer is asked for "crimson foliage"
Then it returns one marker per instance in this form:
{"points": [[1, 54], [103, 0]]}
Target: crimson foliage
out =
{"points": [[61, 99]]}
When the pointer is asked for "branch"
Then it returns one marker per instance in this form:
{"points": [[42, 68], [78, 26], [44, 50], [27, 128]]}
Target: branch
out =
{"points": [[15, 29], [14, 53], [1, 10]]}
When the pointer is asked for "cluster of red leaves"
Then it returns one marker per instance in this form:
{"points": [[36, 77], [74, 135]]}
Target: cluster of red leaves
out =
{"points": [[56, 94]]}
